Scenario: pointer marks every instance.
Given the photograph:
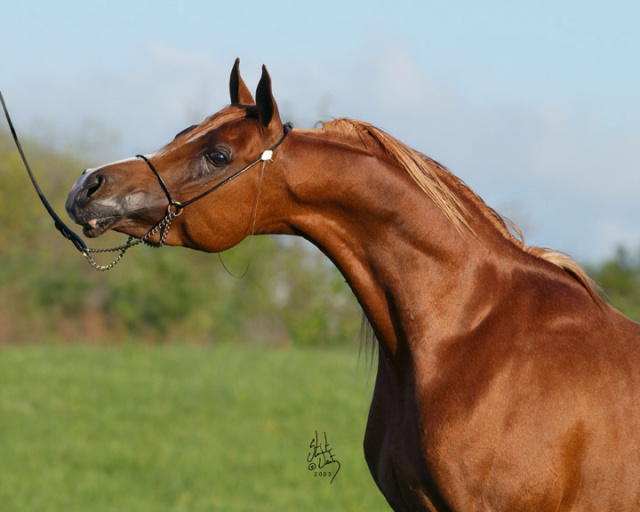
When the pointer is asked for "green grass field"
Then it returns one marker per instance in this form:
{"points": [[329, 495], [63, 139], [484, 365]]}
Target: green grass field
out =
{"points": [[180, 428]]}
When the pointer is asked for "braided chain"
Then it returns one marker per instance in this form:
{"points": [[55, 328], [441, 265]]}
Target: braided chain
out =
{"points": [[163, 227]]}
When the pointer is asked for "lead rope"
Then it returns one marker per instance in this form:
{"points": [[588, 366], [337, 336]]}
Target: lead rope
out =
{"points": [[162, 227]]}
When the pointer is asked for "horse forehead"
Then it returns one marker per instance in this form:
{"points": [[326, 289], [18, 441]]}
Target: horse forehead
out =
{"points": [[215, 122], [200, 131]]}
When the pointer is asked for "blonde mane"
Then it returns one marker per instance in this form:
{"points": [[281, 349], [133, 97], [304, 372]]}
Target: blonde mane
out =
{"points": [[447, 191]]}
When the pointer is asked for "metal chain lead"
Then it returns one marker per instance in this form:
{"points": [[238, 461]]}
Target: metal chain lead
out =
{"points": [[163, 227]]}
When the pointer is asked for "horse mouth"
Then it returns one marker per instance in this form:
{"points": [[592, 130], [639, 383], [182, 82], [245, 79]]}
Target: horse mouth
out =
{"points": [[95, 217], [97, 226]]}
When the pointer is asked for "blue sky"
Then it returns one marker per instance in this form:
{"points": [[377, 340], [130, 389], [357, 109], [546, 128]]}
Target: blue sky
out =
{"points": [[534, 104]]}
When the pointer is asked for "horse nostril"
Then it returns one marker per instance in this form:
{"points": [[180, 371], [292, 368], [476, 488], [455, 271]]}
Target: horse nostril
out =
{"points": [[94, 185]]}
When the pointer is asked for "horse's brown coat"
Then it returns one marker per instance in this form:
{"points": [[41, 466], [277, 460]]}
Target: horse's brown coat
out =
{"points": [[504, 383]]}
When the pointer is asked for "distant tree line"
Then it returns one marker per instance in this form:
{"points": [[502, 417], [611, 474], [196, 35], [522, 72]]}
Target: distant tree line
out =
{"points": [[278, 291], [619, 277], [268, 290]]}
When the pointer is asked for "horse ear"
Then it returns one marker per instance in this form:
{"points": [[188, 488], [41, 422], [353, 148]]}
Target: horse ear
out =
{"points": [[238, 90], [267, 108]]}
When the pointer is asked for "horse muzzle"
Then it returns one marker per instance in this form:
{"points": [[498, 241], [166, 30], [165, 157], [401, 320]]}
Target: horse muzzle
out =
{"points": [[90, 205]]}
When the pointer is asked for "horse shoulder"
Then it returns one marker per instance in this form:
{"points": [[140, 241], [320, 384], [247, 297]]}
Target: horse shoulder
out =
{"points": [[527, 407]]}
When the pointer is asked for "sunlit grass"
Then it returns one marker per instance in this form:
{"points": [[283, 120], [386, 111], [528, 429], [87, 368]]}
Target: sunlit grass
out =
{"points": [[175, 428]]}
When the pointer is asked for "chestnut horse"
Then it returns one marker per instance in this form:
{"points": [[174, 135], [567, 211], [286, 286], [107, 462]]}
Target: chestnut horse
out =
{"points": [[503, 382]]}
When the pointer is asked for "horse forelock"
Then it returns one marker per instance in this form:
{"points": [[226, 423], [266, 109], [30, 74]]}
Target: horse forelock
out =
{"points": [[449, 192]]}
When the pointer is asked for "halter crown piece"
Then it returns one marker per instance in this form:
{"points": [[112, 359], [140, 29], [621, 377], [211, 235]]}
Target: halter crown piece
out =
{"points": [[174, 208]]}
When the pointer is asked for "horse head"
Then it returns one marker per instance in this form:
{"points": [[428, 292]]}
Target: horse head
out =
{"points": [[131, 196]]}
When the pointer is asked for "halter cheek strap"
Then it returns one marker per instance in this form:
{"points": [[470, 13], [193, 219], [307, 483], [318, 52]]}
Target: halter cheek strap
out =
{"points": [[175, 207]]}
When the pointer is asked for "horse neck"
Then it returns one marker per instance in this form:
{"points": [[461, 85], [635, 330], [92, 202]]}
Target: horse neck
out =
{"points": [[408, 265]]}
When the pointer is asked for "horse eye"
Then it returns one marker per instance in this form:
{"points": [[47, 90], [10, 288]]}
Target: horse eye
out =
{"points": [[217, 158]]}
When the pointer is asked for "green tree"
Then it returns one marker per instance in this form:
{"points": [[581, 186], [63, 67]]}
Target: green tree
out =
{"points": [[619, 277]]}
